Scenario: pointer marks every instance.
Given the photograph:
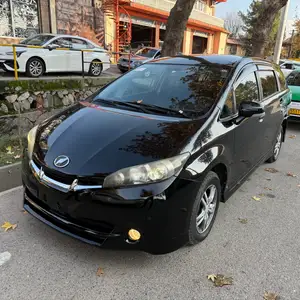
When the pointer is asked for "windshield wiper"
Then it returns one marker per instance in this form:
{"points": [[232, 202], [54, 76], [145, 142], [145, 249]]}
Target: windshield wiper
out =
{"points": [[120, 103], [163, 110]]}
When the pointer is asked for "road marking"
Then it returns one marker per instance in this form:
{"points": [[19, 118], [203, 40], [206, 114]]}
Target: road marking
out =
{"points": [[4, 258], [11, 190]]}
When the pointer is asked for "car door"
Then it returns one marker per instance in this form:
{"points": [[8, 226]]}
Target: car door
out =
{"points": [[271, 99], [57, 60], [249, 141], [75, 57]]}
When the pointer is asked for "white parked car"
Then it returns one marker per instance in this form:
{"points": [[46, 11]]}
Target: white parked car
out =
{"points": [[289, 66], [35, 62]]}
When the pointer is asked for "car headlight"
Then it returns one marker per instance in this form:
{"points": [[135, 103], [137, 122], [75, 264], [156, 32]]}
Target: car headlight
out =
{"points": [[147, 173], [31, 140], [18, 53], [137, 63]]}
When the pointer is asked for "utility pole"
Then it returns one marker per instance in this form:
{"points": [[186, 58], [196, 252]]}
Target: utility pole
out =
{"points": [[291, 46], [280, 34]]}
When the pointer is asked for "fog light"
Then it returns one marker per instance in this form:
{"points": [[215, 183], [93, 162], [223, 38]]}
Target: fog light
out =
{"points": [[134, 235]]}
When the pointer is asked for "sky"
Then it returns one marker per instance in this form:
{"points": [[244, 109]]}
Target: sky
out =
{"points": [[236, 5]]}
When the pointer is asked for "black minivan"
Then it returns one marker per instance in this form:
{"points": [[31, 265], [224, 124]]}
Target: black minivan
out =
{"points": [[144, 162]]}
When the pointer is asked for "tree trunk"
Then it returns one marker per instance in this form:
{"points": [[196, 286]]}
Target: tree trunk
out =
{"points": [[264, 25], [176, 25]]}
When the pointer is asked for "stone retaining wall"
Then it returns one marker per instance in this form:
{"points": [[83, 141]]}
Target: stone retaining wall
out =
{"points": [[26, 95], [24, 104]]}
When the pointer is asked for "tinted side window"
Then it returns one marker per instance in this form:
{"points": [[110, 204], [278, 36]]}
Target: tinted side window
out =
{"points": [[247, 90], [228, 108], [294, 79], [79, 44], [289, 66], [62, 42], [268, 82], [282, 81]]}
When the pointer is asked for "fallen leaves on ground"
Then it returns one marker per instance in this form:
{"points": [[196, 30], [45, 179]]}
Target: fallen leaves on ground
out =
{"points": [[292, 136], [256, 198], [100, 272], [243, 221], [269, 179], [271, 170], [220, 280], [289, 174], [298, 185], [270, 296], [8, 225], [24, 211], [267, 189]]}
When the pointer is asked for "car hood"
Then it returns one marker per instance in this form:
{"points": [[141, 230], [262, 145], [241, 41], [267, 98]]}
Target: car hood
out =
{"points": [[134, 58], [295, 90], [100, 140]]}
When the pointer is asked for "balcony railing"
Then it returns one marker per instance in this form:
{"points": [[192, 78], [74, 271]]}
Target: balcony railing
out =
{"points": [[196, 14]]}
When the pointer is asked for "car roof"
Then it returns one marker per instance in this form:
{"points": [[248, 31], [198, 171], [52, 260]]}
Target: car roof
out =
{"points": [[63, 35], [222, 60]]}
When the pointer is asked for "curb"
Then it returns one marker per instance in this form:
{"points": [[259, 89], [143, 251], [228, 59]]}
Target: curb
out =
{"points": [[10, 177]]}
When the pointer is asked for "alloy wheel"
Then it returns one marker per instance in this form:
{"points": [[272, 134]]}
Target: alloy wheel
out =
{"points": [[278, 145], [207, 209], [96, 69], [36, 68]]}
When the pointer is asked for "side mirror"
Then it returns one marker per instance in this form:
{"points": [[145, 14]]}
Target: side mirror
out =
{"points": [[53, 46], [249, 109]]}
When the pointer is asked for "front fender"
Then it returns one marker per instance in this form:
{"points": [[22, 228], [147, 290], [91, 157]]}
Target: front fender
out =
{"points": [[199, 165]]}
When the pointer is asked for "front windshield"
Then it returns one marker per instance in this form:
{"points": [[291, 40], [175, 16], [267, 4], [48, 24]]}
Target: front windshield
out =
{"points": [[37, 40], [187, 88], [294, 79], [146, 52]]}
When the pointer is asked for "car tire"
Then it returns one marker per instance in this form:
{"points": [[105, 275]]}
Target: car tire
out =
{"points": [[95, 68], [124, 71], [206, 200], [35, 67], [277, 147]]}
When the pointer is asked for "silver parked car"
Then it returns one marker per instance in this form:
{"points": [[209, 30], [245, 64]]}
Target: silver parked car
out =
{"points": [[141, 56]]}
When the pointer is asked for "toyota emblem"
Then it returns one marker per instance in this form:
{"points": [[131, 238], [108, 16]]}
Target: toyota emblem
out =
{"points": [[61, 161]]}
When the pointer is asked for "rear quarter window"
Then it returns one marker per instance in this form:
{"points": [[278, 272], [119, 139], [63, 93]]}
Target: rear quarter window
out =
{"points": [[282, 80]]}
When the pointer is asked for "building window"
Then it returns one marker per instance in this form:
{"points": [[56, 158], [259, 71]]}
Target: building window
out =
{"points": [[233, 49], [18, 18], [200, 5]]}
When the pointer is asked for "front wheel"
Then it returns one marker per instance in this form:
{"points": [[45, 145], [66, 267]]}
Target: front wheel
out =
{"points": [[95, 68], [205, 208], [277, 147], [35, 67]]}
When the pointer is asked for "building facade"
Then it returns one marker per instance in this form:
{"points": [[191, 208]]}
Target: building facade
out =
{"points": [[234, 47], [113, 23], [204, 33]]}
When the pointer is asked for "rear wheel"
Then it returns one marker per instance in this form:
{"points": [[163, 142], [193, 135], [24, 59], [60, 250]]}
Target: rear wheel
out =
{"points": [[35, 67], [277, 147], [205, 208], [95, 68]]}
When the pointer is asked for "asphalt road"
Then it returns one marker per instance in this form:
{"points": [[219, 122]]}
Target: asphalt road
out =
{"points": [[262, 255]]}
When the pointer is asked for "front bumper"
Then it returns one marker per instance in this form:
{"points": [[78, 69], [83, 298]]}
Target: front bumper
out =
{"points": [[103, 218], [8, 65]]}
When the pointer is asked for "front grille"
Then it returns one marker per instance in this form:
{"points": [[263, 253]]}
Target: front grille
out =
{"points": [[67, 178], [99, 226]]}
